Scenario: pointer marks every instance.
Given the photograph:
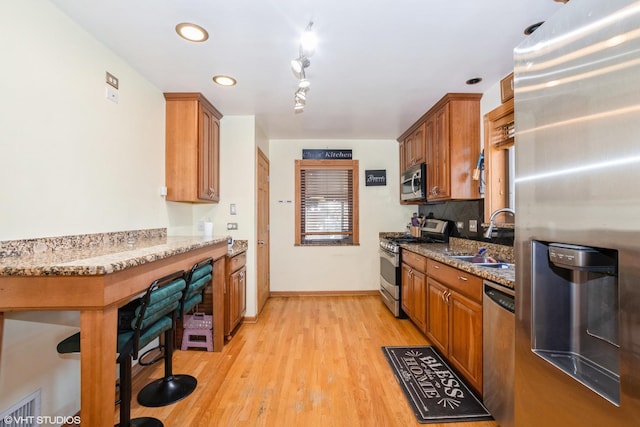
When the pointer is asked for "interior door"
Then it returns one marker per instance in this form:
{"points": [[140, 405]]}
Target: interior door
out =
{"points": [[262, 247]]}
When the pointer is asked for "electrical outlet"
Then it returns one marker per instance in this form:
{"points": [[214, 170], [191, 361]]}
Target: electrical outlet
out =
{"points": [[201, 225], [473, 225], [232, 226], [460, 225], [111, 94]]}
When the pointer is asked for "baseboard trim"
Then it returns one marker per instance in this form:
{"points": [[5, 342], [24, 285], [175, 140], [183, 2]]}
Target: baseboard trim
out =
{"points": [[325, 293], [252, 319]]}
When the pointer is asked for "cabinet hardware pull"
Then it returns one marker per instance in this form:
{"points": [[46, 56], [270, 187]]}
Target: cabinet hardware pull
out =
{"points": [[261, 242], [463, 278], [437, 267]]}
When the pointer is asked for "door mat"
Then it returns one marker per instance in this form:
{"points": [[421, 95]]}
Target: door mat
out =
{"points": [[436, 394]]}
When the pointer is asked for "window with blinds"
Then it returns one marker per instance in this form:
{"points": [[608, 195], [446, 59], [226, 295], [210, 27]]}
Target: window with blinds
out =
{"points": [[327, 202]]}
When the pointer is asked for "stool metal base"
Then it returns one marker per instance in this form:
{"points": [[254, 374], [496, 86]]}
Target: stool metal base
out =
{"points": [[165, 391], [143, 422]]}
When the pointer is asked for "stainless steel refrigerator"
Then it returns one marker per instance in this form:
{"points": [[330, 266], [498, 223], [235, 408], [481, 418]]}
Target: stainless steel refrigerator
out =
{"points": [[577, 119]]}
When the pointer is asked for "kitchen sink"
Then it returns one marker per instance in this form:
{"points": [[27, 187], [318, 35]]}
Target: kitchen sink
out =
{"points": [[483, 261], [495, 264]]}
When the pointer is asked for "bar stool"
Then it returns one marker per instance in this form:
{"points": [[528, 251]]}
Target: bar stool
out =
{"points": [[172, 388], [151, 315]]}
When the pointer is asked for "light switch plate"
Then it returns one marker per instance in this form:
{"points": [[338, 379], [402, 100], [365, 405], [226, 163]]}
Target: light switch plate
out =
{"points": [[473, 225], [112, 80]]}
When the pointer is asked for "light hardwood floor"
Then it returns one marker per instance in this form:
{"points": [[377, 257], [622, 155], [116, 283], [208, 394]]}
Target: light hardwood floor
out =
{"points": [[308, 361]]}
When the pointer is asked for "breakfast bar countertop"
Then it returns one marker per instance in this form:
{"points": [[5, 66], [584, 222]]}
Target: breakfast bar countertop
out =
{"points": [[95, 274], [95, 254]]}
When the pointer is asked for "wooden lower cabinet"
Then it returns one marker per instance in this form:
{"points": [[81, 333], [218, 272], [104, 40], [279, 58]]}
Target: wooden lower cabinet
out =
{"points": [[438, 318], [414, 287], [454, 321], [235, 302]]}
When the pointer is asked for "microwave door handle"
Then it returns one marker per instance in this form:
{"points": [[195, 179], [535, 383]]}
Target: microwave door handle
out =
{"points": [[413, 188]]}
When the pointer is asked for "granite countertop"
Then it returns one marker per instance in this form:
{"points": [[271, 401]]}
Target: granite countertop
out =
{"points": [[443, 252], [94, 254], [239, 246]]}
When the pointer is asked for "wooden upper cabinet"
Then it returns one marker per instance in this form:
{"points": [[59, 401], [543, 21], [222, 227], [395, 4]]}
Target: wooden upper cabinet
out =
{"points": [[438, 161], [499, 130], [192, 169], [413, 149], [451, 132]]}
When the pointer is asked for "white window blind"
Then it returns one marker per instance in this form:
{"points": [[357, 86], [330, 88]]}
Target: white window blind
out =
{"points": [[326, 202]]}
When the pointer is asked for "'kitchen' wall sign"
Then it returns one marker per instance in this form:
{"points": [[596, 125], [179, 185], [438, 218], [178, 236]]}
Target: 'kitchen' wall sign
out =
{"points": [[326, 154]]}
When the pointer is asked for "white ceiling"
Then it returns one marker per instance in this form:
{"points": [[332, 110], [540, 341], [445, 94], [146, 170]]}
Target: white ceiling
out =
{"points": [[379, 65]]}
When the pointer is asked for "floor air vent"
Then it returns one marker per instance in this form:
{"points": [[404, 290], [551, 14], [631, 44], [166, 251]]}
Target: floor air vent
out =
{"points": [[23, 413]]}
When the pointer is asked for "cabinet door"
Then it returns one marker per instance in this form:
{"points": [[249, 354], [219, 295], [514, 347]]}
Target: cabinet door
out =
{"points": [[241, 294], [465, 349], [403, 157], [440, 187], [417, 146], [407, 153], [419, 288], [208, 155], [437, 324], [406, 291]]}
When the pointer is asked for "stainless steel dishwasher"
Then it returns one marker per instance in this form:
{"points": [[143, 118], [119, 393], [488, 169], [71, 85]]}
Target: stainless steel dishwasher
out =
{"points": [[498, 335]]}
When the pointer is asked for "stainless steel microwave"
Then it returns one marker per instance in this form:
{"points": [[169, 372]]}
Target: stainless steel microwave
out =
{"points": [[414, 184]]}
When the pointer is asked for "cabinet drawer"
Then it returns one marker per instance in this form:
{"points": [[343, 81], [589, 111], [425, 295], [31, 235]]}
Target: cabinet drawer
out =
{"points": [[460, 281], [237, 261], [414, 260]]}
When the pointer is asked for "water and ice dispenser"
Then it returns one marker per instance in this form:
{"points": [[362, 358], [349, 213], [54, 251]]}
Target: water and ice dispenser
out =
{"points": [[575, 313]]}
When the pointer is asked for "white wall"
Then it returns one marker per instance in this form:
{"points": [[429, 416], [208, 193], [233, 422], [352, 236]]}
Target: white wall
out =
{"points": [[491, 99], [71, 161], [329, 268]]}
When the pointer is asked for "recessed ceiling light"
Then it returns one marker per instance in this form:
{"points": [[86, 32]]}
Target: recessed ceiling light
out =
{"points": [[192, 32], [474, 81], [224, 80]]}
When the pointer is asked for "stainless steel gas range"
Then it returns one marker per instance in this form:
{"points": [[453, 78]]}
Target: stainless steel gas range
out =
{"points": [[433, 231]]}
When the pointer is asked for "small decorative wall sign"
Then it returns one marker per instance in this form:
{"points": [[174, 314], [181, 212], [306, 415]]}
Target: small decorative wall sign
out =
{"points": [[326, 154], [375, 177]]}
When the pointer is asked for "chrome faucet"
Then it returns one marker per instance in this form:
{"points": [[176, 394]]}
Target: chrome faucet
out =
{"points": [[487, 234]]}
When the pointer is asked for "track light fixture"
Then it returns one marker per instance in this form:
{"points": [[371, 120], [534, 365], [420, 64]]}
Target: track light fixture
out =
{"points": [[308, 43], [298, 65]]}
